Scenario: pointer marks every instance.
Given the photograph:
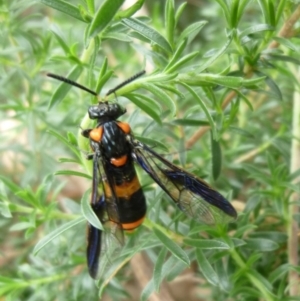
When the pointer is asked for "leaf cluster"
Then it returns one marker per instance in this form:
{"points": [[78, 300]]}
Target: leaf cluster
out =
{"points": [[225, 68]]}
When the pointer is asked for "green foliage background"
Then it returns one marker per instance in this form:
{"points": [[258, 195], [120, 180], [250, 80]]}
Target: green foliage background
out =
{"points": [[222, 81]]}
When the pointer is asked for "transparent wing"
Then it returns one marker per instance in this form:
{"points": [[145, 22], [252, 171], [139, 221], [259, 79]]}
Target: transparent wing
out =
{"points": [[191, 194], [103, 245]]}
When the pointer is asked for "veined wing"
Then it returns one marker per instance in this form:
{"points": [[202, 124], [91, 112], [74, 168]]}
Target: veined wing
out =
{"points": [[102, 245], [190, 193]]}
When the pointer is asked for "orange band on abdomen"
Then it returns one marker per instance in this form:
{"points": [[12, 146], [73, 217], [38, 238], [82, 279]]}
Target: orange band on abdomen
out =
{"points": [[125, 190], [133, 225]]}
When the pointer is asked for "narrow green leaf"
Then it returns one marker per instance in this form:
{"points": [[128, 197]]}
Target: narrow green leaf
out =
{"points": [[190, 122], [172, 246], [86, 37], [127, 13], [6, 280], [225, 9], [179, 11], [61, 41], [84, 13], [216, 157], [152, 143], [241, 132], [157, 272], [116, 36], [48, 238], [255, 29], [176, 54], [68, 160], [10, 287], [272, 85], [271, 13], [226, 81], [173, 267], [104, 16], [211, 95], [280, 272], [59, 136], [287, 43], [206, 243], [191, 32], [28, 197], [242, 5], [162, 97], [261, 244], [202, 105], [103, 68], [262, 280], [284, 58], [206, 268], [64, 140], [64, 7], [247, 101], [145, 107], [4, 206], [92, 61], [215, 56], [171, 89], [182, 62], [64, 88], [234, 8], [73, 173], [279, 10], [160, 78], [238, 242], [108, 269], [140, 37], [102, 80], [277, 236], [10, 184], [88, 212], [221, 268], [154, 104], [72, 138], [170, 21], [20, 226], [148, 290], [91, 6], [264, 9], [148, 32]]}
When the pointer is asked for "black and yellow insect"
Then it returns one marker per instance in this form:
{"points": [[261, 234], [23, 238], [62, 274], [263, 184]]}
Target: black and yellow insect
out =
{"points": [[122, 206]]}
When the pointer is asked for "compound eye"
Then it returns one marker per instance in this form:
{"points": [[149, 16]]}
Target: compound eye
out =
{"points": [[94, 112]]}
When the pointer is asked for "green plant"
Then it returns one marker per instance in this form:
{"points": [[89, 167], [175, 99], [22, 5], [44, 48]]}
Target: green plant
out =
{"points": [[237, 84]]}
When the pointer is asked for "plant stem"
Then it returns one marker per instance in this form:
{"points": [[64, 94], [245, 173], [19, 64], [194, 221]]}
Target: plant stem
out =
{"points": [[294, 207], [82, 141], [240, 262]]}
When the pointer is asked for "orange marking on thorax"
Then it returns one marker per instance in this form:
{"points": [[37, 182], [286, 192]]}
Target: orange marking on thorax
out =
{"points": [[118, 161], [125, 127], [125, 190], [96, 134]]}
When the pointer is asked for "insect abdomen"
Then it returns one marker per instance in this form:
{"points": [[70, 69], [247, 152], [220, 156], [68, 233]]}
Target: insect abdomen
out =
{"points": [[120, 169]]}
